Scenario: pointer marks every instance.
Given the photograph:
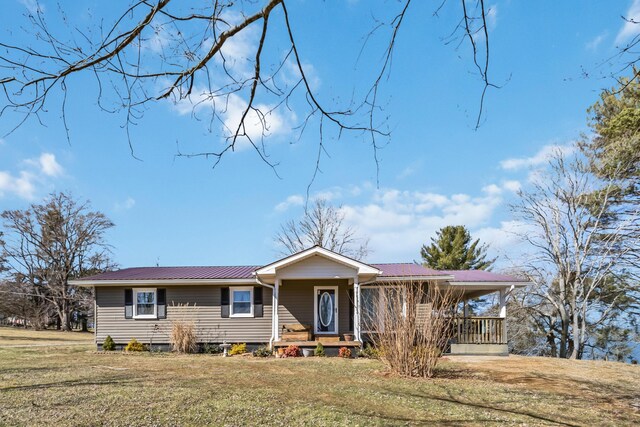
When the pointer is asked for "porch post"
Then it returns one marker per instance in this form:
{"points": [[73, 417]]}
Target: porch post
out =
{"points": [[356, 309], [276, 317], [503, 303], [503, 314], [465, 308]]}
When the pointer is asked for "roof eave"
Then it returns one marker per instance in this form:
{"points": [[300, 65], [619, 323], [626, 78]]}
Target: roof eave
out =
{"points": [[141, 282], [412, 278], [490, 283]]}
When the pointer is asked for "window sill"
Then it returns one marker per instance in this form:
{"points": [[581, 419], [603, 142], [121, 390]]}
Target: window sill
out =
{"points": [[146, 317], [242, 315]]}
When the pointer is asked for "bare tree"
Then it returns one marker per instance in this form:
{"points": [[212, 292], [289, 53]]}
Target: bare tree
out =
{"points": [[410, 324], [155, 50], [51, 243], [22, 301], [581, 255], [322, 225]]}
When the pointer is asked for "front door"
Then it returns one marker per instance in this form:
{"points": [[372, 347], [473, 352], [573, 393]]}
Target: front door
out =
{"points": [[326, 310]]}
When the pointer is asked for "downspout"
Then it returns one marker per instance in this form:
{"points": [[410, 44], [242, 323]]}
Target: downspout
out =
{"points": [[261, 283]]}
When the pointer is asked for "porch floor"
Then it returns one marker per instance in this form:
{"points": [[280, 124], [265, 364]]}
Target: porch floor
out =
{"points": [[314, 343]]}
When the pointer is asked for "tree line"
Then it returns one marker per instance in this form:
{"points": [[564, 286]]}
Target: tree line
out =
{"points": [[42, 248]]}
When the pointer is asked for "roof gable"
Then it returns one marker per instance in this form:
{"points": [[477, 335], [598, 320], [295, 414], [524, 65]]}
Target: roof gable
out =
{"points": [[360, 267]]}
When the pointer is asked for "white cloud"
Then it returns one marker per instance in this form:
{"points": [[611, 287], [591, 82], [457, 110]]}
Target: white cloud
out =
{"points": [[492, 190], [594, 43], [291, 74], [49, 165], [631, 27], [256, 125], [514, 186], [540, 158], [266, 122], [22, 185], [503, 239], [129, 203], [291, 201], [398, 222], [33, 6], [161, 39], [35, 173]]}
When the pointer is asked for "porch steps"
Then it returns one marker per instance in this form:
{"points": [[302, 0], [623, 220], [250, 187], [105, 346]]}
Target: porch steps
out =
{"points": [[314, 343]]}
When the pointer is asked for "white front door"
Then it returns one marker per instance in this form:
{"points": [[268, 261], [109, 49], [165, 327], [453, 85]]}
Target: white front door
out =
{"points": [[326, 309]]}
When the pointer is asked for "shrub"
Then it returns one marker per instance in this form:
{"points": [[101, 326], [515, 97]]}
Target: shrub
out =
{"points": [[183, 337], [210, 348], [108, 344], [262, 351], [319, 350], [369, 352], [292, 351], [135, 345], [238, 349], [344, 352]]}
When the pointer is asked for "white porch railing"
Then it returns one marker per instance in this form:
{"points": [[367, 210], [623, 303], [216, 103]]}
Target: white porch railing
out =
{"points": [[480, 330]]}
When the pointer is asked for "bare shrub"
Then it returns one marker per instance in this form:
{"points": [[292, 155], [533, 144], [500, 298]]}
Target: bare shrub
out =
{"points": [[183, 337], [410, 324]]}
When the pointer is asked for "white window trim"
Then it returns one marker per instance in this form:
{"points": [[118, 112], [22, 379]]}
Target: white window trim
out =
{"points": [[243, 289], [135, 303], [315, 310]]}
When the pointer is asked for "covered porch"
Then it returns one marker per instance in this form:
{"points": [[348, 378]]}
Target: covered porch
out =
{"points": [[332, 296], [483, 334]]}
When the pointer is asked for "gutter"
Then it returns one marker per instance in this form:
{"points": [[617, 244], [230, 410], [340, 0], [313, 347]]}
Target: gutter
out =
{"points": [[272, 287]]}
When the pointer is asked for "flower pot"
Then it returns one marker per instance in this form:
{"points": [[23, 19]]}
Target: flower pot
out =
{"points": [[348, 337], [307, 352]]}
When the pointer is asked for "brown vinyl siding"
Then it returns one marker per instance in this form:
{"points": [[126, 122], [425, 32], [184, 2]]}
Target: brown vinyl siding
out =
{"points": [[200, 304], [296, 303]]}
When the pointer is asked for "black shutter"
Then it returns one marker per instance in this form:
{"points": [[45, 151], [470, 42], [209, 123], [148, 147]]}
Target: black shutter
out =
{"points": [[257, 302], [162, 303], [351, 302], [128, 303], [224, 302]]}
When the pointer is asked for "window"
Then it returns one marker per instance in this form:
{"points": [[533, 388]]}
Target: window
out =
{"points": [[145, 303], [372, 305], [241, 301]]}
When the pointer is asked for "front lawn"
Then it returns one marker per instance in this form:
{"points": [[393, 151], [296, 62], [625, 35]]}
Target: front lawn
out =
{"points": [[73, 386]]}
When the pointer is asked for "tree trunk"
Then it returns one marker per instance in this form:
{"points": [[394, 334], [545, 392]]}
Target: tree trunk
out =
{"points": [[551, 339], [84, 324], [66, 320]]}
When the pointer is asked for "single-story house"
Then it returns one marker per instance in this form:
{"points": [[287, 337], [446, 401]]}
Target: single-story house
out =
{"points": [[253, 304]]}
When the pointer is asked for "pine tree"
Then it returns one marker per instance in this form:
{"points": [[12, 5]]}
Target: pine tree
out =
{"points": [[453, 249]]}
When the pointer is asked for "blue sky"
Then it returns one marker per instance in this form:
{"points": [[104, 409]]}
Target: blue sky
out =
{"points": [[436, 170]]}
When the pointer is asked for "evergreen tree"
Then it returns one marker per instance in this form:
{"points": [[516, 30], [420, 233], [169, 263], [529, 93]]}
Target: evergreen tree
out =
{"points": [[453, 249]]}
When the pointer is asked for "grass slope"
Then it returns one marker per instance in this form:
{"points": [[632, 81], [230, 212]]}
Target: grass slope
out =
{"points": [[74, 385]]}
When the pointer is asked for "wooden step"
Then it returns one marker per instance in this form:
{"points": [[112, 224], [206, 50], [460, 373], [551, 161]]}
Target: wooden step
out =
{"points": [[327, 338], [296, 336]]}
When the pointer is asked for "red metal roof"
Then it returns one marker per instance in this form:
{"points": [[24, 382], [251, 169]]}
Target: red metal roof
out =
{"points": [[176, 273], [480, 276], [405, 270], [245, 272]]}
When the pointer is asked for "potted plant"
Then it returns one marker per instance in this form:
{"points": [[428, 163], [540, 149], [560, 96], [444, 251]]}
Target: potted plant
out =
{"points": [[348, 337], [307, 352]]}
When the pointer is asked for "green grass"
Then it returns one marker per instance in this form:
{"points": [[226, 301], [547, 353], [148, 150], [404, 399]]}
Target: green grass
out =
{"points": [[73, 386]]}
